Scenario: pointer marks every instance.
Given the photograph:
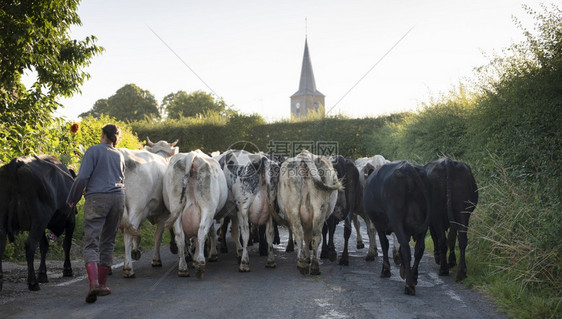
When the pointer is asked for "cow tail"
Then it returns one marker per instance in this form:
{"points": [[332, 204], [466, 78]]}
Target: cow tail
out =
{"points": [[450, 213], [330, 184], [185, 182], [426, 192], [126, 226]]}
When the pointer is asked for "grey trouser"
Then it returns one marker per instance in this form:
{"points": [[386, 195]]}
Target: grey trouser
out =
{"points": [[102, 215]]}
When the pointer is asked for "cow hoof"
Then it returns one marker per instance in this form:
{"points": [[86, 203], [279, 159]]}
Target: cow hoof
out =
{"points": [[303, 270], [460, 276], [174, 248], [42, 277], [315, 269], [437, 259], [136, 254], [67, 273], [360, 245], [33, 287], [244, 267], [410, 290], [332, 255], [128, 273], [156, 263], [385, 273], [290, 248], [443, 272], [199, 270], [344, 262], [370, 257], [397, 259], [183, 273], [323, 254], [270, 264], [200, 273], [214, 258]]}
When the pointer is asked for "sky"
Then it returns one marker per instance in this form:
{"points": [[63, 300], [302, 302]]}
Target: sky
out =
{"points": [[249, 52]]}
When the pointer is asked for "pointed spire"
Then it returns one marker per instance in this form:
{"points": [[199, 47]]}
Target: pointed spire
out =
{"points": [[307, 85]]}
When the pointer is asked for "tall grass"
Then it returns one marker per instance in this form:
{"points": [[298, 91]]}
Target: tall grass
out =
{"points": [[516, 248]]}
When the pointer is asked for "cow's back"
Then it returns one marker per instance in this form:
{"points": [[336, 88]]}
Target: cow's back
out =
{"points": [[453, 188], [144, 172], [35, 188], [398, 187]]}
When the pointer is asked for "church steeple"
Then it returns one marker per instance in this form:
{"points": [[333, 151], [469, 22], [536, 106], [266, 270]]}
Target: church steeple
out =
{"points": [[307, 99]]}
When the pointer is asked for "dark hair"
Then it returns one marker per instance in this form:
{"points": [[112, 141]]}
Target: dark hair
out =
{"points": [[112, 132]]}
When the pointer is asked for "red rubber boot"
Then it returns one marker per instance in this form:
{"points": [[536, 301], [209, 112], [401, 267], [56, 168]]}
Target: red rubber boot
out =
{"points": [[103, 271], [92, 270]]}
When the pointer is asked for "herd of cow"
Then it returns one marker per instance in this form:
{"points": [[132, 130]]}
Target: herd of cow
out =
{"points": [[188, 193]]}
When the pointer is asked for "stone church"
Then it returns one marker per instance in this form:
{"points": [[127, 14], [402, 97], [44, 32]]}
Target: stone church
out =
{"points": [[307, 100]]}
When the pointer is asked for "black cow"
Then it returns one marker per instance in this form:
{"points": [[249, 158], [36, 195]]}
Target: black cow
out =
{"points": [[348, 202], [454, 197], [397, 199], [33, 193]]}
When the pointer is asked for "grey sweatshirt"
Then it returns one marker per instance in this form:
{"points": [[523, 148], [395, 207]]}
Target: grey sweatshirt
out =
{"points": [[102, 171]]}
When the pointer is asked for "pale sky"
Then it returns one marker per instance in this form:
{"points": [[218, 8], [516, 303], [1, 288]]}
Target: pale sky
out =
{"points": [[250, 52]]}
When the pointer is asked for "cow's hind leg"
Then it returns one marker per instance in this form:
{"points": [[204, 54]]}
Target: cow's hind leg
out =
{"points": [[405, 269], [396, 250], [67, 243], [128, 271], [371, 232], [344, 260], [212, 237], [385, 273], [463, 241], [2, 249], [303, 261], [360, 244], [43, 248], [269, 237], [156, 260], [452, 240], [315, 240], [290, 242], [244, 227], [324, 249], [30, 246], [332, 253], [418, 254], [180, 240], [173, 245], [199, 258]]}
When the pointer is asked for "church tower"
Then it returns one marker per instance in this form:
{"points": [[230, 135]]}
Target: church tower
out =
{"points": [[307, 99]]}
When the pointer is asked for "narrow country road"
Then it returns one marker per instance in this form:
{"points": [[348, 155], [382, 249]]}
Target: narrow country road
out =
{"points": [[354, 291]]}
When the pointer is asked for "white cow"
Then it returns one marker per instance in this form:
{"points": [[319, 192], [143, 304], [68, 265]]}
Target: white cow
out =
{"points": [[251, 193], [307, 194], [194, 192], [144, 170], [367, 165]]}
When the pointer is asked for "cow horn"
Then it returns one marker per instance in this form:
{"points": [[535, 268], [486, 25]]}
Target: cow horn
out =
{"points": [[149, 142], [174, 143]]}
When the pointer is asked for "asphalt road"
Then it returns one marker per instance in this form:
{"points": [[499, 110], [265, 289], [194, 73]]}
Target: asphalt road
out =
{"points": [[354, 291]]}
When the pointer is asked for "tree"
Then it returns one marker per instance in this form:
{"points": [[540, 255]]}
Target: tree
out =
{"points": [[100, 107], [181, 104], [34, 40], [129, 103]]}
